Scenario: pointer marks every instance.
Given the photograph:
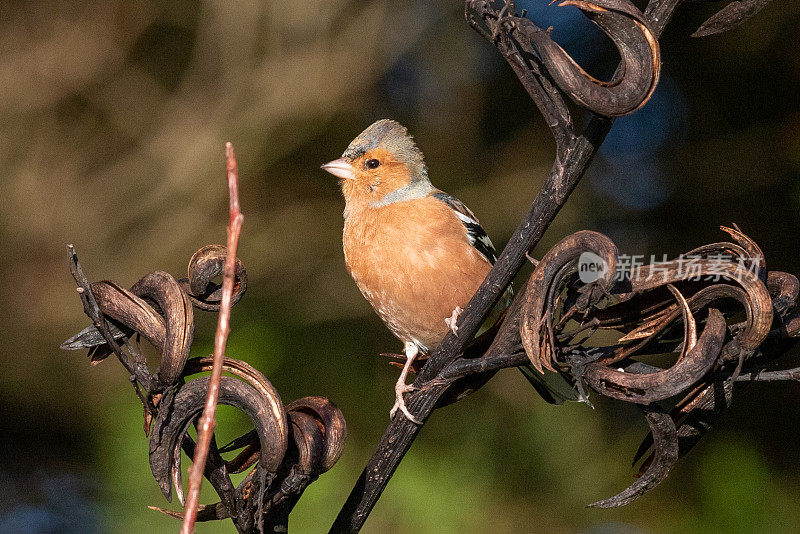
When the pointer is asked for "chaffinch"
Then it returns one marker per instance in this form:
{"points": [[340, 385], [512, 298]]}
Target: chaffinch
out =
{"points": [[416, 253]]}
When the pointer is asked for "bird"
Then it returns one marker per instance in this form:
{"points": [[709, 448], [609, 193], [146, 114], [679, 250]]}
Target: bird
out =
{"points": [[416, 253]]}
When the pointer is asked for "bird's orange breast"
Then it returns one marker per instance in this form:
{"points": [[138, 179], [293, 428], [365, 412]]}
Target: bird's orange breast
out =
{"points": [[413, 262]]}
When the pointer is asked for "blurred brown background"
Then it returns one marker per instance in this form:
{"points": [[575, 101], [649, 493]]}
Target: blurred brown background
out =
{"points": [[112, 126]]}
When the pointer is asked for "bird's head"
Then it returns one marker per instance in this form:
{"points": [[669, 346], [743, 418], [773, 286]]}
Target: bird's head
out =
{"points": [[381, 166]]}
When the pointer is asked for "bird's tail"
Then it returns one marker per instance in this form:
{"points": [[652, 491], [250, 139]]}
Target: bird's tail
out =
{"points": [[553, 387]]}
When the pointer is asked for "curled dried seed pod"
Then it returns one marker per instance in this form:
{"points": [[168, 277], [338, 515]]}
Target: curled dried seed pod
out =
{"points": [[205, 265], [732, 253], [164, 290], [182, 405], [301, 464], [130, 311], [691, 366], [154, 307], [537, 303], [652, 327], [645, 279], [664, 458], [730, 17], [249, 442], [333, 425], [253, 376], [792, 325], [755, 257], [637, 77], [308, 437], [330, 420], [784, 288]]}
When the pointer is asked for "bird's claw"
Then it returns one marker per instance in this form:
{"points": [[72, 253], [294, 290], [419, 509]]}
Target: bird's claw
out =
{"points": [[400, 403], [453, 319]]}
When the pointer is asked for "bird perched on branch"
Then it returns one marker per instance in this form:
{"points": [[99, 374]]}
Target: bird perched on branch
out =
{"points": [[416, 253]]}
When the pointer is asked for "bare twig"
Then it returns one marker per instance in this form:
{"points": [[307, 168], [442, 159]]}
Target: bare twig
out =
{"points": [[217, 473], [207, 422], [137, 369]]}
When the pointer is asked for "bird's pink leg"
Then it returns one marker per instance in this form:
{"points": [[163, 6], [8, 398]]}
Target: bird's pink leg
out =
{"points": [[453, 319], [402, 388]]}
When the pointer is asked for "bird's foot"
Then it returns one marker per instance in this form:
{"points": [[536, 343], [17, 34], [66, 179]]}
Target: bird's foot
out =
{"points": [[453, 319], [400, 403]]}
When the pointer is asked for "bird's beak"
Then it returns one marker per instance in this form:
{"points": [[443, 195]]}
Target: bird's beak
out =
{"points": [[340, 168]]}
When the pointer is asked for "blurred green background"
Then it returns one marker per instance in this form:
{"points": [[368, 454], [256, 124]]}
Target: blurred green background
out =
{"points": [[113, 121]]}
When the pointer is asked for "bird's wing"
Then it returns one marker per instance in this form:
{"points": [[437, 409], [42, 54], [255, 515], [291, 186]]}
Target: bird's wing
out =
{"points": [[552, 387], [475, 233]]}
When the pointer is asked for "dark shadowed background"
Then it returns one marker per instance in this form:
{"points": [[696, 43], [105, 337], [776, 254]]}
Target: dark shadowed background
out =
{"points": [[113, 119]]}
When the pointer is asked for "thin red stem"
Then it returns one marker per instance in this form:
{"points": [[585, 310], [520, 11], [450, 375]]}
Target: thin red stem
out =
{"points": [[205, 429]]}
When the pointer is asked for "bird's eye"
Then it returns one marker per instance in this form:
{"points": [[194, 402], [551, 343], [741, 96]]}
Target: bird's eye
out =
{"points": [[372, 163]]}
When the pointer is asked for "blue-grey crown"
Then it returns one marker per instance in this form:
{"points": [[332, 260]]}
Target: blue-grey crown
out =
{"points": [[394, 137]]}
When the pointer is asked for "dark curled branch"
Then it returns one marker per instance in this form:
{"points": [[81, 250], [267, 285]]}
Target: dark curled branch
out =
{"points": [[640, 66], [449, 373], [179, 409]]}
